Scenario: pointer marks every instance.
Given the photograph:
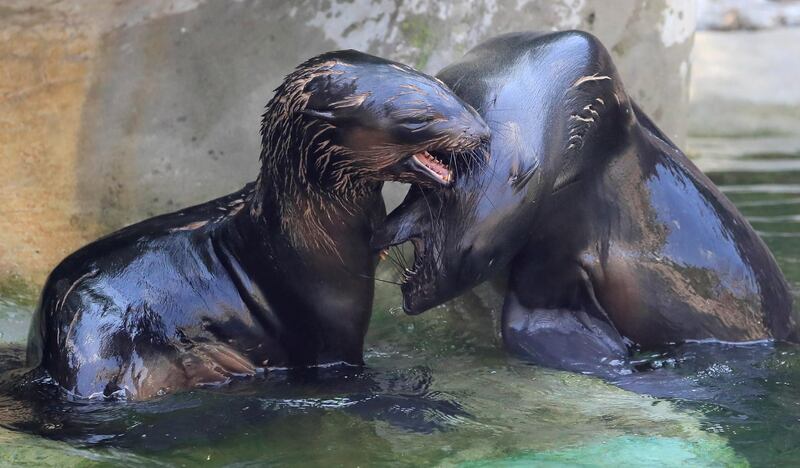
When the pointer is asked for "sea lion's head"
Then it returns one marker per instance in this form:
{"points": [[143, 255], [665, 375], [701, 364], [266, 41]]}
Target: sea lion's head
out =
{"points": [[350, 119], [460, 237], [558, 114]]}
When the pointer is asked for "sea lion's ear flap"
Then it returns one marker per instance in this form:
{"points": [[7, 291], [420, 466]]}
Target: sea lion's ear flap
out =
{"points": [[326, 115]]}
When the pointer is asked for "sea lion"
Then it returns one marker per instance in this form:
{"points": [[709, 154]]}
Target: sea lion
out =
{"points": [[278, 274], [611, 239]]}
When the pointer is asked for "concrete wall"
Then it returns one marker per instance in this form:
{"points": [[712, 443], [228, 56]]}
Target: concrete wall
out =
{"points": [[730, 15], [744, 94], [115, 111]]}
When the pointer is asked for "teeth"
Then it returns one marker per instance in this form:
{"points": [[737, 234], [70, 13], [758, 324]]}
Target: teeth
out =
{"points": [[408, 273], [434, 166]]}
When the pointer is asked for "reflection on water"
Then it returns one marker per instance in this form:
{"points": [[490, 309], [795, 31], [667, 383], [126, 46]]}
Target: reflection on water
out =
{"points": [[438, 388]]}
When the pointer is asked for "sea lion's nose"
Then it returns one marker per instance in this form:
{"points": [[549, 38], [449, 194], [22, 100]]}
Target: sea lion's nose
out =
{"points": [[479, 131], [404, 222]]}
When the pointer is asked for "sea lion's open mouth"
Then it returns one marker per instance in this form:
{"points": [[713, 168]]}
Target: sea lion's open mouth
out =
{"points": [[428, 163], [414, 276]]}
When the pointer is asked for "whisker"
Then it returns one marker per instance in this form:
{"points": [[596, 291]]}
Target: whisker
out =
{"points": [[395, 256], [401, 255], [384, 281], [375, 278]]}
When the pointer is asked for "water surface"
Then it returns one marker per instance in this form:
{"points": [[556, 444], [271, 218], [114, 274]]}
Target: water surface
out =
{"points": [[439, 389]]}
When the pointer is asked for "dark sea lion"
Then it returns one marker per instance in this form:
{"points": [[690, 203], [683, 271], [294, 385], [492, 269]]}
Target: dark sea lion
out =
{"points": [[279, 274], [611, 238]]}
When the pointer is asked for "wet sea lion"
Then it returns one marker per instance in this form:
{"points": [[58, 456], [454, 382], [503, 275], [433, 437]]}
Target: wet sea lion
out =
{"points": [[279, 274], [610, 237]]}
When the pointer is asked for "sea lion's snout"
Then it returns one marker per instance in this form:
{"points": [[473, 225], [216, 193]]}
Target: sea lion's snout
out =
{"points": [[407, 221], [445, 139], [476, 128], [476, 133]]}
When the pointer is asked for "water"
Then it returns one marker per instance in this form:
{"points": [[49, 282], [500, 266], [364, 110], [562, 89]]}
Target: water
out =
{"points": [[439, 390]]}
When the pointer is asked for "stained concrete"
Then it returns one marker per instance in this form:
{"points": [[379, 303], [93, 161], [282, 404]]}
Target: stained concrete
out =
{"points": [[744, 93], [114, 111], [747, 14]]}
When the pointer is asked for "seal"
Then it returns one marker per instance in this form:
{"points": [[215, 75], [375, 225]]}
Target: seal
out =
{"points": [[278, 274], [607, 235]]}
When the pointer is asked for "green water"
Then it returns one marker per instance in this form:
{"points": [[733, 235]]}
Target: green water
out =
{"points": [[439, 389]]}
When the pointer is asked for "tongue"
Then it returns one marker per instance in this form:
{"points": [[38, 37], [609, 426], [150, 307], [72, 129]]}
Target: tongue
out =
{"points": [[437, 167]]}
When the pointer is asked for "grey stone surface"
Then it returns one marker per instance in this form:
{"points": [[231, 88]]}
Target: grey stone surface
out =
{"points": [[173, 109]]}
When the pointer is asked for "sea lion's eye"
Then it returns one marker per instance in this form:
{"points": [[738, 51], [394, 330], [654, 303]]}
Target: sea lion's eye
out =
{"points": [[416, 124], [432, 117], [416, 119], [419, 121]]}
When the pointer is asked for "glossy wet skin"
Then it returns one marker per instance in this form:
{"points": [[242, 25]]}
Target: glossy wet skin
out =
{"points": [[480, 225], [610, 236], [278, 274]]}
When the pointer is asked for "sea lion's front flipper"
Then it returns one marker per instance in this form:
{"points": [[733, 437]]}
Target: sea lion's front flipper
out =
{"points": [[566, 339], [214, 363]]}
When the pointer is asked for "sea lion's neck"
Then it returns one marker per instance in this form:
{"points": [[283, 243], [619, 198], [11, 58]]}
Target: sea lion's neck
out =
{"points": [[298, 188], [311, 221], [306, 270], [301, 246]]}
